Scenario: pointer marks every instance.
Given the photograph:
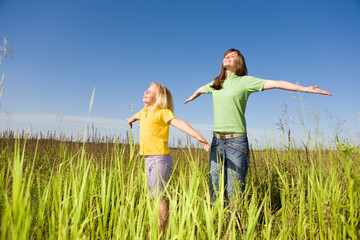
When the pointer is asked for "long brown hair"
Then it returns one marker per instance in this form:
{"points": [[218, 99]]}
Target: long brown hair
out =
{"points": [[241, 70]]}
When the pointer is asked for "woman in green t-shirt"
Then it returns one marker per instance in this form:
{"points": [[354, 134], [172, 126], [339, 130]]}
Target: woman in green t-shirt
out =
{"points": [[229, 147]]}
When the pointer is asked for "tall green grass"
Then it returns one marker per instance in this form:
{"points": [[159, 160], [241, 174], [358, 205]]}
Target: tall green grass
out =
{"points": [[59, 190]]}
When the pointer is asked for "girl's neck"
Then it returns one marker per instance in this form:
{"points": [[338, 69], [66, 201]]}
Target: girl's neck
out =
{"points": [[150, 107]]}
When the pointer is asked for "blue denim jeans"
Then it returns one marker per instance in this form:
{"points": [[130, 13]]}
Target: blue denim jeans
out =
{"points": [[229, 158]]}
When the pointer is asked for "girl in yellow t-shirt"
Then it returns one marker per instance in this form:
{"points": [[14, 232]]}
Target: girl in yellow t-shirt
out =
{"points": [[155, 119]]}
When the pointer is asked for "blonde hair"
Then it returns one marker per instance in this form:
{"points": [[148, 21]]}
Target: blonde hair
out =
{"points": [[164, 98]]}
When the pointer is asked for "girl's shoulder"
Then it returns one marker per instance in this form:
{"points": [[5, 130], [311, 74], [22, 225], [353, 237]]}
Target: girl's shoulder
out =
{"points": [[164, 111], [142, 111]]}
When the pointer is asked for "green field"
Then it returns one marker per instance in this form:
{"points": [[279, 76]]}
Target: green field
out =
{"points": [[53, 189]]}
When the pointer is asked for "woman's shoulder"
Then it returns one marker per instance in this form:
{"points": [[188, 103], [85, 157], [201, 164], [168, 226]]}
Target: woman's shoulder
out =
{"points": [[250, 78], [246, 77]]}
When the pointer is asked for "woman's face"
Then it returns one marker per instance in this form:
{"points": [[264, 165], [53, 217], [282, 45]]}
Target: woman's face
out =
{"points": [[231, 60], [150, 95]]}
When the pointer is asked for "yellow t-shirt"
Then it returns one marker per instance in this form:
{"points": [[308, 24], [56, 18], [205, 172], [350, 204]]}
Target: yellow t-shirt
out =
{"points": [[154, 131]]}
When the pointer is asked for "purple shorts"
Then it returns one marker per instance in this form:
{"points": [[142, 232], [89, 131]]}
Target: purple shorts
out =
{"points": [[158, 172]]}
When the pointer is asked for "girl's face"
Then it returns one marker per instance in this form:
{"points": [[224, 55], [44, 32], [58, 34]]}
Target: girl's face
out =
{"points": [[150, 95], [230, 60]]}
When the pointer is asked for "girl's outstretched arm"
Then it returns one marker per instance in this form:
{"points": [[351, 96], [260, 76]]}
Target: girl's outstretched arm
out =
{"points": [[271, 84], [132, 119], [196, 94], [186, 128]]}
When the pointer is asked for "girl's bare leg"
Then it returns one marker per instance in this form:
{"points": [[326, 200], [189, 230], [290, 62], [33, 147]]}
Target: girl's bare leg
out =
{"points": [[163, 215]]}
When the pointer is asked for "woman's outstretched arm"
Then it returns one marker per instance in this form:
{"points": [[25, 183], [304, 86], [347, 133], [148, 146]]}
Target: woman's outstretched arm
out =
{"points": [[271, 84], [196, 94]]}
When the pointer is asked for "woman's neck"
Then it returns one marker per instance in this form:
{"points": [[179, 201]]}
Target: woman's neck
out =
{"points": [[230, 73]]}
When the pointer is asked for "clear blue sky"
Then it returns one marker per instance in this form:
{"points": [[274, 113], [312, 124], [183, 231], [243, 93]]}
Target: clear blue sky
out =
{"points": [[63, 49]]}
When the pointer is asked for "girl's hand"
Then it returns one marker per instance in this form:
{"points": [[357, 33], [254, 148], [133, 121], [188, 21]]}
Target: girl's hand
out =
{"points": [[186, 128], [132, 119], [128, 120], [204, 143]]}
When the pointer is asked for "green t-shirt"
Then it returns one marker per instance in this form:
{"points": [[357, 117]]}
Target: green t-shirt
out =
{"points": [[229, 103]]}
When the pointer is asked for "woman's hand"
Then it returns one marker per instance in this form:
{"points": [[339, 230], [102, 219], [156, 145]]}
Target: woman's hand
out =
{"points": [[196, 94], [272, 84], [315, 89], [190, 99]]}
